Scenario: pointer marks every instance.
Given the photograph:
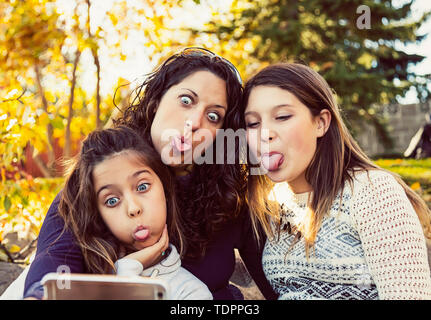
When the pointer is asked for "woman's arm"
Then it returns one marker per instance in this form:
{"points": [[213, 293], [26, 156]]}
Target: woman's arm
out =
{"points": [[251, 253], [57, 251]]}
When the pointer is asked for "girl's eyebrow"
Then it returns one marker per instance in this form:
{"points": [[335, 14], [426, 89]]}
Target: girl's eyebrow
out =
{"points": [[102, 188], [275, 107], [137, 173]]}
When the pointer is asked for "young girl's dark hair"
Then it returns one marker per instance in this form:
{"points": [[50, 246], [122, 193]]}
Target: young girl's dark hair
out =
{"points": [[78, 203], [217, 191]]}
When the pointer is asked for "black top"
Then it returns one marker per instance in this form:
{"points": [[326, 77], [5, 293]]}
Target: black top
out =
{"points": [[214, 269]]}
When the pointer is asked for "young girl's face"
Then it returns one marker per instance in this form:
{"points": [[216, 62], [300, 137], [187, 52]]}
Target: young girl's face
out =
{"points": [[288, 146], [130, 199]]}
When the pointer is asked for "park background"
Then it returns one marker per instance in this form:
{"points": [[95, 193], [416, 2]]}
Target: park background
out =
{"points": [[67, 67]]}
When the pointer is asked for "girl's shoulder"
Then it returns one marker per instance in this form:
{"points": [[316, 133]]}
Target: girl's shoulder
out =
{"points": [[374, 178], [376, 187]]}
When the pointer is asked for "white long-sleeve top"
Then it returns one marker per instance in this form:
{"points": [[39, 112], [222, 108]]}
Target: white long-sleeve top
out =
{"points": [[370, 246], [183, 285]]}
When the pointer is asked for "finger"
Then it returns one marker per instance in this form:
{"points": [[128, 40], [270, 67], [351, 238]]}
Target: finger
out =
{"points": [[164, 239]]}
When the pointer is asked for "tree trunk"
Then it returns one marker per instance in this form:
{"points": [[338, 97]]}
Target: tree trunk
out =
{"points": [[67, 143], [97, 63], [47, 170]]}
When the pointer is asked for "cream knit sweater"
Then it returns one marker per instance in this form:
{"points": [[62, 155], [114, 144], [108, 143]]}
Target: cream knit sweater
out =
{"points": [[370, 246]]}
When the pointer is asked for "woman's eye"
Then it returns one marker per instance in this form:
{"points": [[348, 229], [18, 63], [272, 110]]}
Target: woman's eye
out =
{"points": [[112, 201], [186, 100], [143, 187], [213, 117]]}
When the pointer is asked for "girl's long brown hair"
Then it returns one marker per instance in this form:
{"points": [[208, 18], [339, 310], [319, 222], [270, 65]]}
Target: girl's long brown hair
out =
{"points": [[336, 158], [78, 203]]}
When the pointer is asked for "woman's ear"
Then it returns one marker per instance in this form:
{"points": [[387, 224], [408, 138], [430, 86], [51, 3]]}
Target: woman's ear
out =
{"points": [[323, 122]]}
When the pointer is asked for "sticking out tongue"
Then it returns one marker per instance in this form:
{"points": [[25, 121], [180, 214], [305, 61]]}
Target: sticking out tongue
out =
{"points": [[272, 161], [141, 234]]}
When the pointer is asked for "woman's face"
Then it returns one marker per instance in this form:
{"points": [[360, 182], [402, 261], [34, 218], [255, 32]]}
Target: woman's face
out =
{"points": [[188, 116], [282, 133], [130, 199]]}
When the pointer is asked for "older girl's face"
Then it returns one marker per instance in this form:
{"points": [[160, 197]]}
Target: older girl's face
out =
{"points": [[282, 133], [188, 116]]}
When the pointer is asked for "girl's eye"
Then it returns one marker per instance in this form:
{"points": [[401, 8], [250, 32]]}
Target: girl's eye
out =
{"points": [[282, 118], [252, 124], [111, 202], [186, 100], [143, 187], [213, 117]]}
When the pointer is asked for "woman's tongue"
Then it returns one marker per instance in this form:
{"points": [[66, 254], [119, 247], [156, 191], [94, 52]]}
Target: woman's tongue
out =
{"points": [[272, 161]]}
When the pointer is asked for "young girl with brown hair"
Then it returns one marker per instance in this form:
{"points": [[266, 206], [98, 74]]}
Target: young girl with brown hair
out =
{"points": [[117, 201], [347, 229]]}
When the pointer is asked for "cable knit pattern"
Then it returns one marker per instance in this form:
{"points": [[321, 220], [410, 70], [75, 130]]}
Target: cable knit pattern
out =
{"points": [[370, 246]]}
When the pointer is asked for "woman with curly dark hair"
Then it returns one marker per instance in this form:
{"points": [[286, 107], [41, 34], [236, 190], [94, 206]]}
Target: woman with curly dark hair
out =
{"points": [[194, 94]]}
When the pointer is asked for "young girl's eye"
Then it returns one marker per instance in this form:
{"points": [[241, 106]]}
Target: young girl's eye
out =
{"points": [[282, 118], [111, 202], [186, 100], [252, 125], [143, 187], [213, 117]]}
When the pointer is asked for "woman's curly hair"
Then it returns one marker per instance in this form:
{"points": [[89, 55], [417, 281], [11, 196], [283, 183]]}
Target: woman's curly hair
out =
{"points": [[216, 192]]}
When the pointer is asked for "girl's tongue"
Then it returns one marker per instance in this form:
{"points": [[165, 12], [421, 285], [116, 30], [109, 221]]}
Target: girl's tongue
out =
{"points": [[272, 161], [142, 234]]}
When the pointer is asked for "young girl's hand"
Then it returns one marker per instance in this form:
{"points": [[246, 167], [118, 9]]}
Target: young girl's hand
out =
{"points": [[151, 255]]}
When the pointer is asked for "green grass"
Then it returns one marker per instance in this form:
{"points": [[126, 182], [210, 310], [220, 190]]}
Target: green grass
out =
{"points": [[416, 173]]}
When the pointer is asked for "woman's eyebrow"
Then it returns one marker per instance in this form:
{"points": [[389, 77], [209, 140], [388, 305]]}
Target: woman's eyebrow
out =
{"points": [[196, 95]]}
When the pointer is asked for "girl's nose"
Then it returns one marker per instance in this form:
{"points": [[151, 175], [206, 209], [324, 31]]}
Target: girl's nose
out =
{"points": [[134, 209], [267, 135]]}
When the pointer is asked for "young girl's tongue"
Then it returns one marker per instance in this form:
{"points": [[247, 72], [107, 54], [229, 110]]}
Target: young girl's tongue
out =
{"points": [[272, 161], [141, 234]]}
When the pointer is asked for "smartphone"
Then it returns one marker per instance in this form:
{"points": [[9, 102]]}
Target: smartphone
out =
{"points": [[76, 286]]}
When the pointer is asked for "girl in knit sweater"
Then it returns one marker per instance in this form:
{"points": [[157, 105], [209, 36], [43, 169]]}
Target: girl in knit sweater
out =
{"points": [[346, 229]]}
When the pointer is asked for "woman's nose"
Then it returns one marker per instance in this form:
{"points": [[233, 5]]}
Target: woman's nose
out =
{"points": [[195, 119]]}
